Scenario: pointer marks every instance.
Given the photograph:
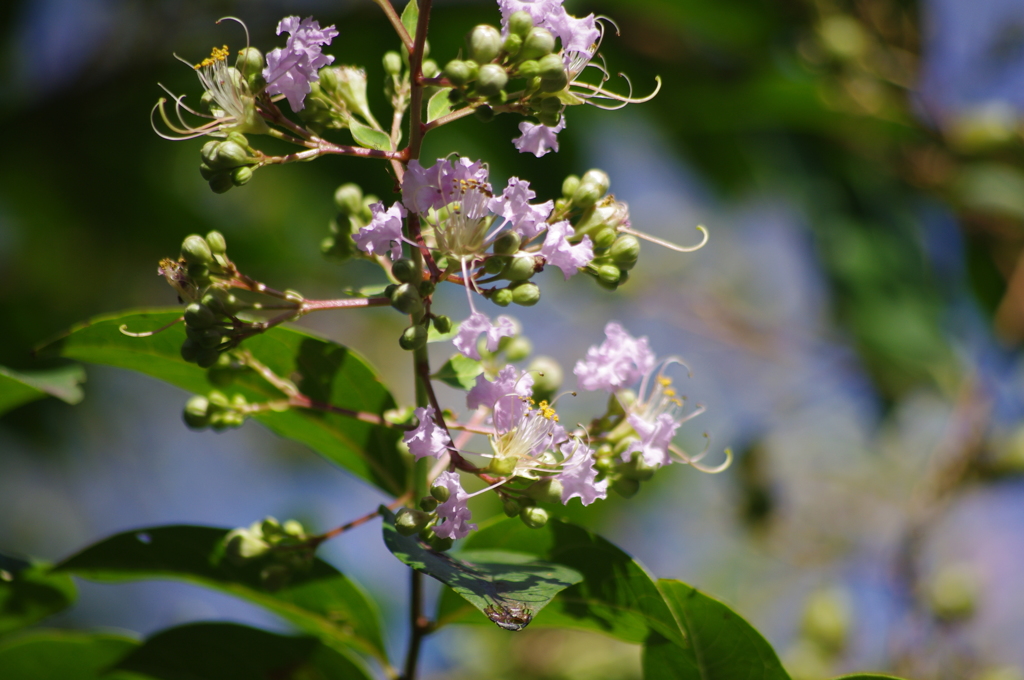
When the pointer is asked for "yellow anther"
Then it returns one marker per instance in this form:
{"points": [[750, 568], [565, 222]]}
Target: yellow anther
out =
{"points": [[218, 54], [669, 392], [663, 381], [677, 402]]}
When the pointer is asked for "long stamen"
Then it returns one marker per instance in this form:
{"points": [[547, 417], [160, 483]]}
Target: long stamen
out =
{"points": [[668, 244]]}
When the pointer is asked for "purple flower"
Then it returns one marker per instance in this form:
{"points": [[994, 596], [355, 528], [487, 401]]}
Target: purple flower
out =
{"points": [[655, 437], [474, 326], [505, 396], [441, 183], [619, 361], [427, 439], [559, 252], [384, 232], [578, 474], [514, 207], [290, 70], [538, 139], [575, 34], [453, 511]]}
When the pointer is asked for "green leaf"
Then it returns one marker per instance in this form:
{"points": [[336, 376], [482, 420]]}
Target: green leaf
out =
{"points": [[228, 651], [460, 372], [509, 588], [368, 137], [29, 593], [616, 597], [867, 676], [439, 105], [323, 370], [321, 601], [410, 17], [62, 655], [21, 388], [720, 645]]}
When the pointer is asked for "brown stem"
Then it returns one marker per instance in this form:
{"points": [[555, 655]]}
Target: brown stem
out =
{"points": [[398, 502], [302, 401], [396, 23], [448, 118]]}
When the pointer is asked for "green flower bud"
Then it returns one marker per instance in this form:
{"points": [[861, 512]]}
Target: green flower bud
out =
{"points": [[549, 105], [430, 68], [196, 414], [190, 350], [428, 504], [210, 338], [439, 544], [457, 72], [508, 243], [528, 69], [413, 337], [240, 176], [518, 348], [207, 172], [626, 487], [609, 274], [409, 521], [547, 377], [199, 316], [196, 250], [520, 268], [440, 492], [587, 193], [218, 245], [427, 288], [520, 23], [534, 517], [229, 155], [553, 84], [638, 469], [547, 490], [953, 591], [502, 297], [221, 182], [207, 356], [405, 270], [294, 528], [550, 66], [218, 399], [406, 299], [442, 324], [604, 238], [494, 265], [599, 177], [270, 527], [241, 546], [349, 199], [625, 251], [510, 506], [538, 43], [491, 80], [456, 96], [484, 113], [569, 186], [549, 119], [483, 44], [250, 63], [526, 294], [498, 99], [392, 63], [513, 43], [826, 618]]}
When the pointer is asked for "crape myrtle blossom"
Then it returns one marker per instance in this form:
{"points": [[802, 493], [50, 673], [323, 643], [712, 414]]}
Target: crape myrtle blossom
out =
{"points": [[478, 324], [537, 138], [384, 232], [617, 363], [291, 69], [513, 206], [576, 35], [427, 439], [559, 252], [454, 511], [578, 474], [506, 396]]}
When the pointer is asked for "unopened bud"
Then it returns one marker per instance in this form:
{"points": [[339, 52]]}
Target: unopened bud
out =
{"points": [[439, 544], [494, 265], [591, 189], [953, 592], [410, 521], [625, 251], [526, 294], [427, 287], [510, 506], [604, 238], [442, 324], [518, 348], [508, 243], [196, 413], [207, 356], [491, 80], [430, 68], [240, 176], [609, 274], [513, 43], [549, 104], [569, 185], [199, 316], [190, 350], [457, 72], [405, 270], [221, 182], [520, 268], [196, 250], [218, 245], [428, 504], [534, 517], [546, 491], [538, 43], [242, 546], [547, 377], [414, 337], [520, 23], [406, 299], [483, 44], [230, 155], [626, 487], [249, 63], [392, 63], [528, 69], [827, 618], [550, 66], [549, 118], [440, 492], [349, 199], [502, 297]]}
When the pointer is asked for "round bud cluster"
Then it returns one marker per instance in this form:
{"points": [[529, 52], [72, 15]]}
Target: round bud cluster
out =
{"points": [[526, 57], [282, 549], [600, 217], [250, 65], [215, 411], [227, 163], [353, 214]]}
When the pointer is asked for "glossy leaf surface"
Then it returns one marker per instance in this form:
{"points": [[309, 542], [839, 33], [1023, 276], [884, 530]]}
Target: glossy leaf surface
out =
{"points": [[63, 655], [321, 600], [460, 372], [29, 593], [324, 371], [21, 388]]}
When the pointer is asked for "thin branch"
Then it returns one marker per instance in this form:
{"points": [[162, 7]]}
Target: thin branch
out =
{"points": [[396, 23]]}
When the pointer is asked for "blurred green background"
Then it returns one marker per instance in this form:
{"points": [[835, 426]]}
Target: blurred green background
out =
{"points": [[854, 324]]}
